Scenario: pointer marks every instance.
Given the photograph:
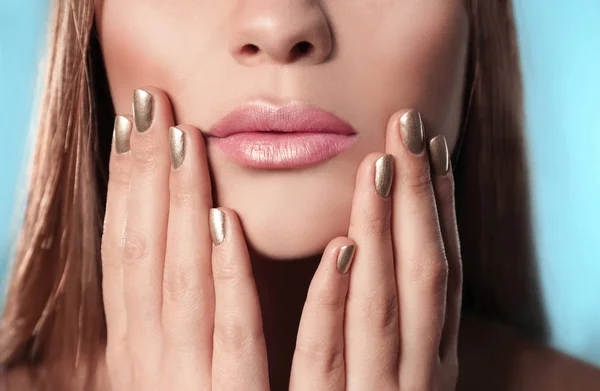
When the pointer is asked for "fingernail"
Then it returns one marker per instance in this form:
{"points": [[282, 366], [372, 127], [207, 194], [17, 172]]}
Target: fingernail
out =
{"points": [[438, 153], [345, 257], [217, 225], [122, 133], [411, 130], [177, 144], [384, 174], [143, 110]]}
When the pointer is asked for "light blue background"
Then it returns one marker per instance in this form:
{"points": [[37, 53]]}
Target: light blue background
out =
{"points": [[560, 46]]}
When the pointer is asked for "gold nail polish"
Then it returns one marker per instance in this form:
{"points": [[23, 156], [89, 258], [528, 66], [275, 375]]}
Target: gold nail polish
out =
{"points": [[411, 131], [217, 225], [122, 133], [345, 257], [384, 174], [177, 144], [438, 153], [143, 110]]}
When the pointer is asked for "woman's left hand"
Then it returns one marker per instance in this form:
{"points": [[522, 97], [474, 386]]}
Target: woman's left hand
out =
{"points": [[391, 322]]}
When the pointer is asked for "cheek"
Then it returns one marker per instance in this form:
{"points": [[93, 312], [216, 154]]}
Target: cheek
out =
{"points": [[137, 52], [391, 55], [419, 53], [394, 55]]}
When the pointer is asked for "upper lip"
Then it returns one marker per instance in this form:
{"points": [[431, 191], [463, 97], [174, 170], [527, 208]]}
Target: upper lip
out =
{"points": [[295, 116]]}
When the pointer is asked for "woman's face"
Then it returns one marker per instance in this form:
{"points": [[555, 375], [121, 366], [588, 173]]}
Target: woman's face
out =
{"points": [[368, 59]]}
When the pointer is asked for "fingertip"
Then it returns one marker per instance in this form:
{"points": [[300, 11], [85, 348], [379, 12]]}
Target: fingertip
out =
{"points": [[151, 109], [119, 165], [153, 99], [217, 219], [345, 258], [226, 229], [375, 174], [395, 123], [151, 92], [198, 146], [193, 132], [123, 125], [340, 252], [439, 155], [230, 215], [368, 162]]}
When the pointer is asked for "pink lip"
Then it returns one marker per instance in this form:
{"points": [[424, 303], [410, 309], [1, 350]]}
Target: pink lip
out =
{"points": [[262, 135]]}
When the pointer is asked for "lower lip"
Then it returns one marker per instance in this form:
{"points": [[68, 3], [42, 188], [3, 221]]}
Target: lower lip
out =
{"points": [[272, 150]]}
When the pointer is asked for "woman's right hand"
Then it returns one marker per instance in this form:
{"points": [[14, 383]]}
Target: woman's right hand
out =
{"points": [[181, 313]]}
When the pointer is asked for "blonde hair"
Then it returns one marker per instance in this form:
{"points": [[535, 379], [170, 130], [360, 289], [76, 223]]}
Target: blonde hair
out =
{"points": [[54, 317]]}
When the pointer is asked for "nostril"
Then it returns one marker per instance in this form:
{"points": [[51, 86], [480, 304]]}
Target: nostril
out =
{"points": [[249, 49], [301, 49], [304, 47]]}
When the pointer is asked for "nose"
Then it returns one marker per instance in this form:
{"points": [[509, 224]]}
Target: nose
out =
{"points": [[280, 32]]}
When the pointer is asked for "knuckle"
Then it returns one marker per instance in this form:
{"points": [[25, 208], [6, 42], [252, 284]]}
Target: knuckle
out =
{"points": [[327, 357], [178, 283], [119, 172], [329, 301], [113, 363], [430, 270], [106, 253], [135, 248], [417, 183], [116, 351], [228, 274], [426, 377], [234, 337], [377, 224], [109, 254], [183, 195], [118, 364], [381, 309], [415, 385], [390, 384], [146, 152]]}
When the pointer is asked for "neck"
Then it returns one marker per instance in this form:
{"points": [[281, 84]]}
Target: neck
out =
{"points": [[282, 288]]}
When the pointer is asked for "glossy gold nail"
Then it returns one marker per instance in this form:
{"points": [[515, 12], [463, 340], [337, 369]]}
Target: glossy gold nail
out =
{"points": [[411, 131], [217, 225], [384, 174], [122, 133], [345, 257], [177, 146], [438, 153], [143, 109]]}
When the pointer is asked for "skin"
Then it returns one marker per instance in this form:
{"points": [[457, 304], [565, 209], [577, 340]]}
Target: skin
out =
{"points": [[192, 51], [173, 302], [232, 316], [189, 57]]}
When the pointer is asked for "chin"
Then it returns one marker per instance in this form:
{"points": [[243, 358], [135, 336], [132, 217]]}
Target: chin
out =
{"points": [[281, 235], [288, 214]]}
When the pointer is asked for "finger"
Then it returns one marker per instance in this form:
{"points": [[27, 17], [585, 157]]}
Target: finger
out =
{"points": [[114, 225], [148, 208], [421, 267], [443, 185], [371, 328], [318, 362], [188, 292], [239, 349]]}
